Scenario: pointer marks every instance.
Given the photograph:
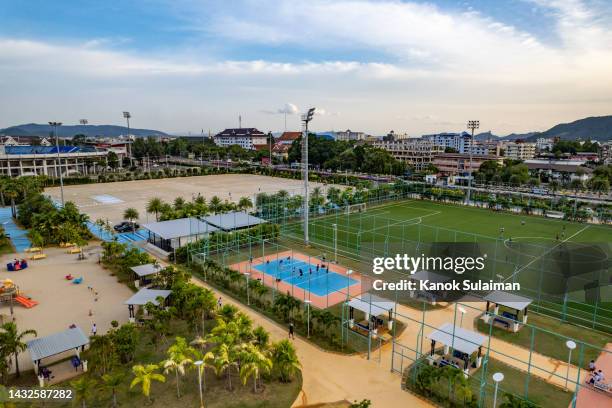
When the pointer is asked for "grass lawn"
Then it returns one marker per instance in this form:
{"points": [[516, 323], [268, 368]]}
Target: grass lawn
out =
{"points": [[550, 344]]}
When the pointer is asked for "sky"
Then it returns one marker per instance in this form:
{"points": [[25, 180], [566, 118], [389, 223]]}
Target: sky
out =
{"points": [[370, 65]]}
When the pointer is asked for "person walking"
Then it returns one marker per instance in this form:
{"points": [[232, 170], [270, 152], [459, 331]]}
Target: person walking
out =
{"points": [[94, 329], [291, 331]]}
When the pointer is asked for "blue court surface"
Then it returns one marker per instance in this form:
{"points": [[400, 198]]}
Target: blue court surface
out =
{"points": [[320, 283]]}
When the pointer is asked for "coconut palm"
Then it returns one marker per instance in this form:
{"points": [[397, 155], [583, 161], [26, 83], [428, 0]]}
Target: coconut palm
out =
{"points": [[207, 360], [245, 203], [253, 362], [12, 343], [82, 389], [225, 360], [111, 382], [155, 206], [131, 214], [145, 375], [262, 337], [178, 360], [285, 360], [215, 204]]}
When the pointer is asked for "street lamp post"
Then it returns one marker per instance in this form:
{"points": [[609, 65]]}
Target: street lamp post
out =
{"points": [[58, 168], [571, 346], [308, 302], [462, 311], [306, 118], [200, 365], [349, 272], [500, 277], [247, 274], [472, 125], [335, 242], [497, 377], [127, 116]]}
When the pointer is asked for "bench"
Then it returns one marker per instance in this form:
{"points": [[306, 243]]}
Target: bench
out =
{"points": [[74, 251], [33, 249], [38, 256]]}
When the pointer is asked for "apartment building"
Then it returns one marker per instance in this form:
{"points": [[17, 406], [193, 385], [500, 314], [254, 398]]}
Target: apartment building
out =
{"points": [[458, 141], [349, 135], [520, 150], [454, 164], [247, 138], [22, 160], [417, 153]]}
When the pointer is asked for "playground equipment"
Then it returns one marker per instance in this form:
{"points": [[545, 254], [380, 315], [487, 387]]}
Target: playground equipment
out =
{"points": [[17, 265], [9, 291], [78, 281]]}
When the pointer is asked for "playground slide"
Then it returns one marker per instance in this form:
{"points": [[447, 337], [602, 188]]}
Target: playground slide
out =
{"points": [[26, 302]]}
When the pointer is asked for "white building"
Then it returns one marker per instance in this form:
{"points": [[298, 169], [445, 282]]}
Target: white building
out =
{"points": [[458, 141], [22, 160], [544, 144], [417, 153], [520, 150], [247, 138], [349, 135]]}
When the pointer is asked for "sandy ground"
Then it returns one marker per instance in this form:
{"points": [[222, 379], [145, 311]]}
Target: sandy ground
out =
{"points": [[136, 194], [62, 303]]}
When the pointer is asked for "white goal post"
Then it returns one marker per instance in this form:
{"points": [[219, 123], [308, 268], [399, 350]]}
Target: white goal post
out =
{"points": [[355, 208]]}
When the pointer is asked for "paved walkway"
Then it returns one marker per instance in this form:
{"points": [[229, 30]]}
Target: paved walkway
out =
{"points": [[332, 376]]}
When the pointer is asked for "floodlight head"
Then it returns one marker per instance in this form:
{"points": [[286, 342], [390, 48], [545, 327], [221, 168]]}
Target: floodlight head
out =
{"points": [[473, 124], [55, 123], [570, 344], [83, 121], [307, 117], [127, 115], [497, 377]]}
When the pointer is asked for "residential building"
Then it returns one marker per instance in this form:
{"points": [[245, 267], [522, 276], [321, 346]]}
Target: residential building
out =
{"points": [[22, 160], [544, 144], [287, 138], [458, 141], [417, 153], [605, 153], [246, 138], [349, 135], [520, 150], [454, 164], [564, 170], [486, 148]]}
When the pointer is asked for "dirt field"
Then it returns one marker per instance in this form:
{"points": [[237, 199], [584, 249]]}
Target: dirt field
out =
{"points": [[60, 302], [137, 193]]}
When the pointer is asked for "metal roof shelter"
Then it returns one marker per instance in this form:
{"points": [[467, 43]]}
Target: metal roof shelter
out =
{"points": [[508, 299], [48, 346], [372, 307], [144, 296], [233, 220], [182, 227], [146, 270], [464, 340]]}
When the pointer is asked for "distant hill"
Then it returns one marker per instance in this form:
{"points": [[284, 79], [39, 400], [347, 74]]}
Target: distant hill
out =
{"points": [[68, 131], [593, 128]]}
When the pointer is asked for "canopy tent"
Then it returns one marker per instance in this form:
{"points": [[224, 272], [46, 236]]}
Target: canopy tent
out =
{"points": [[371, 305], [510, 300], [465, 341], [57, 343], [233, 220]]}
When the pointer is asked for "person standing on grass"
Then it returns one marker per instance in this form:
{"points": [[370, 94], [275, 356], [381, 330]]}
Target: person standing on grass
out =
{"points": [[94, 329], [291, 331]]}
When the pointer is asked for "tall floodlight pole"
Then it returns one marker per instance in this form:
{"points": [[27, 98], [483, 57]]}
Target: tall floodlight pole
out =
{"points": [[306, 118], [127, 117], [270, 137], [472, 125], [58, 168]]}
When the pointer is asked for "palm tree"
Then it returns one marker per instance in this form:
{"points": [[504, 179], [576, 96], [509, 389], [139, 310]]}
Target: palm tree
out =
{"points": [[207, 361], [245, 203], [285, 360], [111, 382], [131, 214], [253, 363], [215, 204], [225, 359], [145, 375], [155, 206], [178, 360], [11, 341], [82, 389], [262, 337]]}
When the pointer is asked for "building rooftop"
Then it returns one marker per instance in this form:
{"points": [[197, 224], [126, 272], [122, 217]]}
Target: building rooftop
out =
{"points": [[182, 227], [289, 136], [233, 220], [466, 341], [236, 132], [144, 296], [47, 149], [508, 299], [146, 270]]}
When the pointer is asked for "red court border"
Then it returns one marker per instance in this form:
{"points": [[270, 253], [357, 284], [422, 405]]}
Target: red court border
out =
{"points": [[320, 302]]}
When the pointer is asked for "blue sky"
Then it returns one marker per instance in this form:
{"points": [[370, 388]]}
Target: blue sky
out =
{"points": [[411, 66]]}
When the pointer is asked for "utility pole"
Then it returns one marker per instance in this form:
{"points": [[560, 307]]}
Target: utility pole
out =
{"points": [[306, 118], [472, 125], [58, 168]]}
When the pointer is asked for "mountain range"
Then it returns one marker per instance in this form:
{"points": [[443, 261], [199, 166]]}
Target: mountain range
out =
{"points": [[68, 131], [592, 128]]}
